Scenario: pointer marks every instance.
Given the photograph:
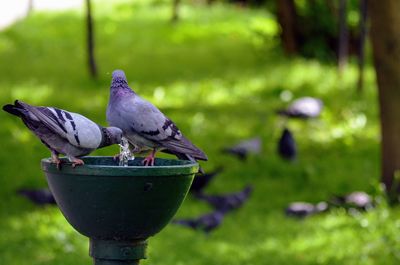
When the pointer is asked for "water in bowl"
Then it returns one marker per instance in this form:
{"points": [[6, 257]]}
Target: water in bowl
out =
{"points": [[125, 153]]}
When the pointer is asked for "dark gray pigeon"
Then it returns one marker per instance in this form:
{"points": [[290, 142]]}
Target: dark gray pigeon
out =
{"points": [[206, 223], [287, 145], [242, 149], [144, 125], [304, 209], [304, 108], [39, 197], [64, 132], [227, 202], [202, 180]]}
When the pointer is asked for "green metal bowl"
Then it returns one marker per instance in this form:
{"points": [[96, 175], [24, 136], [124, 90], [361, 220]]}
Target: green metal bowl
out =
{"points": [[105, 201]]}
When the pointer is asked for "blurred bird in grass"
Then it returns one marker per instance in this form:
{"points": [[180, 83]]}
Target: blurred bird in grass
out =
{"points": [[244, 148], [304, 209], [205, 223], [287, 148], [227, 202], [201, 181], [39, 197], [303, 108]]}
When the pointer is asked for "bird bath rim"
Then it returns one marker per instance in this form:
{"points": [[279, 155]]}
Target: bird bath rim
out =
{"points": [[108, 167]]}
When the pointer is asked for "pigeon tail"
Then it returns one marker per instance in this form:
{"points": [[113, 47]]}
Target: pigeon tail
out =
{"points": [[15, 109], [282, 112], [190, 158], [185, 147]]}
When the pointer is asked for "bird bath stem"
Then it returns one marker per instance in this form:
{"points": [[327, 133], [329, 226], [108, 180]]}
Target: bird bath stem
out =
{"points": [[107, 252], [118, 208]]}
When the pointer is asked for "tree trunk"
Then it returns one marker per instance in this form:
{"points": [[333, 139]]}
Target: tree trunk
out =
{"points": [[175, 10], [363, 36], [385, 35], [343, 36], [287, 15], [90, 40]]}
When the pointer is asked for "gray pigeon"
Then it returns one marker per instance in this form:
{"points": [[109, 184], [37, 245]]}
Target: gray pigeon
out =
{"points": [[145, 126], [207, 222], [64, 132], [227, 202], [244, 148], [303, 108], [304, 209], [358, 200], [38, 196]]}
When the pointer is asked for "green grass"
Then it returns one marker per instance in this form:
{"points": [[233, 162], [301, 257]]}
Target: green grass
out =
{"points": [[220, 75]]}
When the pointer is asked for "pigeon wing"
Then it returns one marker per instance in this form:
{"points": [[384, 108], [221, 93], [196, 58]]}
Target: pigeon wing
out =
{"points": [[77, 129], [150, 123]]}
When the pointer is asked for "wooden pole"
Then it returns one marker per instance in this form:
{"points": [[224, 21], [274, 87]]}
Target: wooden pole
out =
{"points": [[343, 45], [361, 51], [90, 40]]}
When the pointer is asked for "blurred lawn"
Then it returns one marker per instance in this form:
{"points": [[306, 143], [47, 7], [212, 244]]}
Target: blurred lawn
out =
{"points": [[219, 75]]}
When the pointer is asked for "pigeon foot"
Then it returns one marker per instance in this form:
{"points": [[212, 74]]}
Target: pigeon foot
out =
{"points": [[56, 160], [149, 161], [77, 162]]}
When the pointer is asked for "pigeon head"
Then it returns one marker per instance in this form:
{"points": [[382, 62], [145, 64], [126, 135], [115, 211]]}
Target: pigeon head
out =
{"points": [[248, 190], [118, 74], [114, 135], [119, 79], [286, 131]]}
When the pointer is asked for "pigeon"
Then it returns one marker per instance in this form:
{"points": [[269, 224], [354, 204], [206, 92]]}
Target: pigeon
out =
{"points": [[287, 145], [39, 197], [244, 148], [227, 202], [358, 200], [206, 223], [304, 209], [64, 132], [304, 108], [144, 125], [202, 180]]}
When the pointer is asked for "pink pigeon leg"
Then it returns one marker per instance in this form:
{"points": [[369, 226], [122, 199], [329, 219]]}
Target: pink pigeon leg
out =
{"points": [[56, 160], [149, 160]]}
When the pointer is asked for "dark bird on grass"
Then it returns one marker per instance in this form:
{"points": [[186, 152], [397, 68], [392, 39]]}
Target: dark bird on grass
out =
{"points": [[287, 146], [64, 132], [206, 223], [358, 200], [202, 180], [39, 197], [304, 108], [242, 149], [144, 125], [227, 202], [304, 209]]}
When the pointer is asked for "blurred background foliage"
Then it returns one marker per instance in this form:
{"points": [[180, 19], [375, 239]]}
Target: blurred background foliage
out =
{"points": [[220, 73]]}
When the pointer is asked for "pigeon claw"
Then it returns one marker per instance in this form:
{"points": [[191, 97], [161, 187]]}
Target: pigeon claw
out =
{"points": [[77, 162], [57, 161], [148, 161], [58, 164]]}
